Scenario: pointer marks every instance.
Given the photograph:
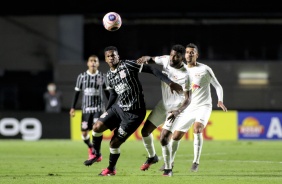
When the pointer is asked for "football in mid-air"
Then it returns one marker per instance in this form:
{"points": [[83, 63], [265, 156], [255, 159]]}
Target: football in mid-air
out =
{"points": [[112, 21]]}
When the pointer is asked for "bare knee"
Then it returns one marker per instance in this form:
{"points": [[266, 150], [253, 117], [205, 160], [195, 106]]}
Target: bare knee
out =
{"points": [[115, 143], [165, 137], [147, 129], [198, 127], [99, 127]]}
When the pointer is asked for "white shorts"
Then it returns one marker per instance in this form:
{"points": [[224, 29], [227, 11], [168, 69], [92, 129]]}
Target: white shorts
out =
{"points": [[186, 119], [158, 114]]}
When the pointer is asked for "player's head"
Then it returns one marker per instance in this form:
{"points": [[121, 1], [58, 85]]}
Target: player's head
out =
{"points": [[93, 63], [111, 56], [51, 87], [177, 54], [191, 53]]}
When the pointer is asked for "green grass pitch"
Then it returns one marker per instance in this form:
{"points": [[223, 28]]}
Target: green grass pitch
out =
{"points": [[61, 162]]}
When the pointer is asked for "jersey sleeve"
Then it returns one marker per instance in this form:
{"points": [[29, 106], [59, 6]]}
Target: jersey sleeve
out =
{"points": [[133, 66], [216, 85], [78, 85], [162, 60]]}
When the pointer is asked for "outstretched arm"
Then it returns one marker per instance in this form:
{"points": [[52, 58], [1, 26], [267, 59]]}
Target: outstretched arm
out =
{"points": [[173, 86], [145, 60]]}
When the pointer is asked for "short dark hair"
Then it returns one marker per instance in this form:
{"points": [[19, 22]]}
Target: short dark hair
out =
{"points": [[93, 55], [110, 48], [178, 48], [192, 45]]}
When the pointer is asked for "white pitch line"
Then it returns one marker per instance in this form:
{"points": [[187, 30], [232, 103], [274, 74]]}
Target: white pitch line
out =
{"points": [[252, 161], [248, 161]]}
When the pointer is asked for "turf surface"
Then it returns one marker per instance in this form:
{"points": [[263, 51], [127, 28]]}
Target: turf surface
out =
{"points": [[61, 162]]}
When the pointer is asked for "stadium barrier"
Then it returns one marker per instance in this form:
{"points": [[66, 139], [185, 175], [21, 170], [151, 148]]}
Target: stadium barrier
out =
{"points": [[231, 125]]}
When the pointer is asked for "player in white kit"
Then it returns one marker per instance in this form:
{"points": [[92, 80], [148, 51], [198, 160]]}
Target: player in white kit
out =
{"points": [[200, 108], [172, 104]]}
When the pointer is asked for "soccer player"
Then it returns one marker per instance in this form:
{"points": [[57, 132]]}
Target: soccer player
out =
{"points": [[171, 105], [91, 83], [199, 110], [125, 116]]}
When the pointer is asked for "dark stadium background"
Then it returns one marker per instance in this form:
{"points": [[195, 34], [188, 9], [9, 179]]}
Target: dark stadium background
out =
{"points": [[46, 41]]}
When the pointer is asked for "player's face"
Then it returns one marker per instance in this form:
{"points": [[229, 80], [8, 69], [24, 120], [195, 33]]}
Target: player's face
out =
{"points": [[191, 55], [112, 58], [93, 63], [176, 59]]}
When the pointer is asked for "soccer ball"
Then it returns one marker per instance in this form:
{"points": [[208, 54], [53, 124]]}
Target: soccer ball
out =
{"points": [[112, 21]]}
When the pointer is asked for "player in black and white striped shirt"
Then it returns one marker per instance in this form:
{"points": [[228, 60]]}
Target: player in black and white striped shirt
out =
{"points": [[91, 83], [127, 114]]}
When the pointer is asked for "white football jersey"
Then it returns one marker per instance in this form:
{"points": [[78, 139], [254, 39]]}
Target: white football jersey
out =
{"points": [[202, 76], [180, 76]]}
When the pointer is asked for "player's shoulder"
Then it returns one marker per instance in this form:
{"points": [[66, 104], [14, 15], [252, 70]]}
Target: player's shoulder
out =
{"points": [[82, 74], [202, 65], [161, 57]]}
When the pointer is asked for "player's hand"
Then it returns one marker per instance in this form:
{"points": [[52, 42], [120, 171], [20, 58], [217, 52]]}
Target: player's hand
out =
{"points": [[175, 87], [173, 115], [143, 59], [220, 104], [72, 112]]}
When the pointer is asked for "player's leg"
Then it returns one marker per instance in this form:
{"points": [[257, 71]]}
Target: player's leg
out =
{"points": [[130, 121], [201, 121], [86, 125], [181, 125], [148, 142], [155, 119], [97, 136], [166, 151]]}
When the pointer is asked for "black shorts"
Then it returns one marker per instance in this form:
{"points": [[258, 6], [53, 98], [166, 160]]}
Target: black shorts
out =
{"points": [[87, 120], [123, 122]]}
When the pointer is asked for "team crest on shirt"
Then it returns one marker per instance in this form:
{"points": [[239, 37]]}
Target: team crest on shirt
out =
{"points": [[175, 77], [99, 81], [122, 74]]}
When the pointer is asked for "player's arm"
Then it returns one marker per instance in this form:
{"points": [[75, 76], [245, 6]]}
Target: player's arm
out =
{"points": [[184, 105], [218, 89], [173, 86], [106, 91], [145, 60], [74, 101], [112, 98]]}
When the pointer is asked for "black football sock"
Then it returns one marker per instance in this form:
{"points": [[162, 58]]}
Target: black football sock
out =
{"points": [[88, 143], [97, 144], [113, 161]]}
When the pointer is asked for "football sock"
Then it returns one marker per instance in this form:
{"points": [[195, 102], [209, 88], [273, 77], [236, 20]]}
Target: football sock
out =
{"points": [[97, 144], [174, 148], [149, 145], [114, 155], [198, 144], [166, 150], [86, 140]]}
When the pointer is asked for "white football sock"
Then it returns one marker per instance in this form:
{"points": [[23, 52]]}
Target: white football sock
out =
{"points": [[149, 145], [198, 144], [166, 150], [174, 148]]}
